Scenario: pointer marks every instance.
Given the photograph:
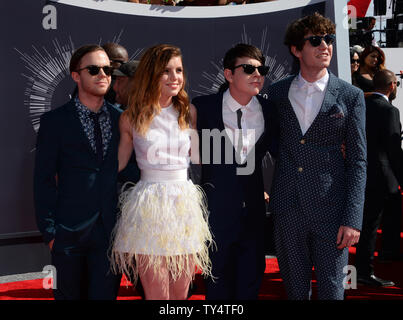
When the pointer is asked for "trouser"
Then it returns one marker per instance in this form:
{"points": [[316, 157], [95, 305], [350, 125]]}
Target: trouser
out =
{"points": [[85, 273], [378, 207], [238, 262], [302, 244]]}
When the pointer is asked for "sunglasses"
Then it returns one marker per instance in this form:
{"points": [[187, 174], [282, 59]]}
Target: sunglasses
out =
{"points": [[355, 60], [317, 40], [94, 70], [249, 69]]}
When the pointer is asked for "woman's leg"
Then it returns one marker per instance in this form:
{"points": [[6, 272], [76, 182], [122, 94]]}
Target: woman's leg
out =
{"points": [[155, 281], [179, 288]]}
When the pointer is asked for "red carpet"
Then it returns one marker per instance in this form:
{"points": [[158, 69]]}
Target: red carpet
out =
{"points": [[272, 286]]}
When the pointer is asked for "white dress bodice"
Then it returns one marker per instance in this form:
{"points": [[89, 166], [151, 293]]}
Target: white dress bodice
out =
{"points": [[165, 147]]}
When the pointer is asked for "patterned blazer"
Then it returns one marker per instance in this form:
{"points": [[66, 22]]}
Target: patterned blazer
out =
{"points": [[312, 176]]}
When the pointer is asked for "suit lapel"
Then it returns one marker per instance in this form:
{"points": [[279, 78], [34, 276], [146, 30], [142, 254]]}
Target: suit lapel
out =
{"points": [[331, 94], [286, 104]]}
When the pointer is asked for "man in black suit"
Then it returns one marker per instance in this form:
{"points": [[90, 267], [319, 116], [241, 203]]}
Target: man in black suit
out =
{"points": [[75, 181], [383, 175], [234, 189]]}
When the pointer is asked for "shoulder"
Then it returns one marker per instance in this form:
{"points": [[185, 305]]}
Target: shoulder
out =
{"points": [[278, 88], [390, 109], [346, 91], [263, 101], [114, 111], [58, 113], [344, 85], [206, 99], [56, 119]]}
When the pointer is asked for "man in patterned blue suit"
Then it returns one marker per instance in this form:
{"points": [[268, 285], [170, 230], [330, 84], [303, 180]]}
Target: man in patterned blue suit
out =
{"points": [[318, 187]]}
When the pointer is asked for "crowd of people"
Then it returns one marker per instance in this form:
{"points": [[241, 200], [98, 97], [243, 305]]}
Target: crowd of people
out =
{"points": [[113, 194]]}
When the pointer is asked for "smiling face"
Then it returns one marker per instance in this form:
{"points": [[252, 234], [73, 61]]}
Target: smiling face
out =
{"points": [[244, 86], [355, 62], [372, 60], [314, 59], [88, 84], [171, 80]]}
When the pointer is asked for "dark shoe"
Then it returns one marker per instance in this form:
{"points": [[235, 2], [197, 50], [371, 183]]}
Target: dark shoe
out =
{"points": [[374, 281]]}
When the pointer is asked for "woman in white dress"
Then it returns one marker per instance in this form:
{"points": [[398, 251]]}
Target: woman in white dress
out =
{"points": [[162, 234]]}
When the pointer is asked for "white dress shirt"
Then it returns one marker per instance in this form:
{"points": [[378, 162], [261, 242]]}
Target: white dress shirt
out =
{"points": [[252, 122], [306, 99]]}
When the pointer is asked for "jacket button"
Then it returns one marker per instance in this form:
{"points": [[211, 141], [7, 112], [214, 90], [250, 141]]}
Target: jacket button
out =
{"points": [[302, 141], [300, 169]]}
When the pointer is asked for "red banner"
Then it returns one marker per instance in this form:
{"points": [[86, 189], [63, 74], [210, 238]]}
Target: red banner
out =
{"points": [[361, 8]]}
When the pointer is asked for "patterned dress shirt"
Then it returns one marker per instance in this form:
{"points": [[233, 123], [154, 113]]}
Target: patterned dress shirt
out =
{"points": [[88, 124]]}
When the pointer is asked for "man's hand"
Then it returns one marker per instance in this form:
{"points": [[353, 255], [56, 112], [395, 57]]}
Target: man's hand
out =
{"points": [[347, 237]]}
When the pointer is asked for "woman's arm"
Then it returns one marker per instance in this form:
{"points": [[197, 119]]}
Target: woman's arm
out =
{"points": [[126, 141], [194, 137]]}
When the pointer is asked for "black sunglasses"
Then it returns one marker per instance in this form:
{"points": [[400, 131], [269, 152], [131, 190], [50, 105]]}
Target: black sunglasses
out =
{"points": [[94, 70], [317, 40], [355, 60], [249, 69]]}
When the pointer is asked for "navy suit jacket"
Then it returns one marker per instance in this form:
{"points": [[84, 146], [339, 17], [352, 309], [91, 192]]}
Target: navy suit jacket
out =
{"points": [[384, 145], [68, 206], [228, 193], [311, 173]]}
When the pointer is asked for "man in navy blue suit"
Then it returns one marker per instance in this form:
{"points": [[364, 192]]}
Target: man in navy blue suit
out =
{"points": [[317, 193], [75, 181], [234, 129]]}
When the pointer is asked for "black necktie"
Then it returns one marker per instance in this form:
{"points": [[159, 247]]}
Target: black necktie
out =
{"points": [[239, 118], [98, 136]]}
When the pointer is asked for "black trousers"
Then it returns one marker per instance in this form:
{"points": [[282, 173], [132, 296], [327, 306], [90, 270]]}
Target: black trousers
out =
{"points": [[379, 207], [85, 274], [238, 262]]}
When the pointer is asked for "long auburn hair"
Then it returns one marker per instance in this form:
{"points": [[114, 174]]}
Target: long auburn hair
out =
{"points": [[381, 57], [145, 90]]}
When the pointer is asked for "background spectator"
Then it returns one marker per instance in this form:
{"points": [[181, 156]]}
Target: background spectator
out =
{"points": [[355, 60], [372, 60]]}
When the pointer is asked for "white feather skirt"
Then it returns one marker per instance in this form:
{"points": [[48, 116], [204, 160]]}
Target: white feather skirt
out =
{"points": [[162, 224]]}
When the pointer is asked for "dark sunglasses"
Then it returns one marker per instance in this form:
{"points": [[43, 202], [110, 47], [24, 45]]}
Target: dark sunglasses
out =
{"points": [[94, 70], [249, 69], [317, 40], [355, 60]]}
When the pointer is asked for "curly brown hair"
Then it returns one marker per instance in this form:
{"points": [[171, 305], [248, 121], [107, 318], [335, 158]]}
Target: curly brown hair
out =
{"points": [[315, 23]]}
